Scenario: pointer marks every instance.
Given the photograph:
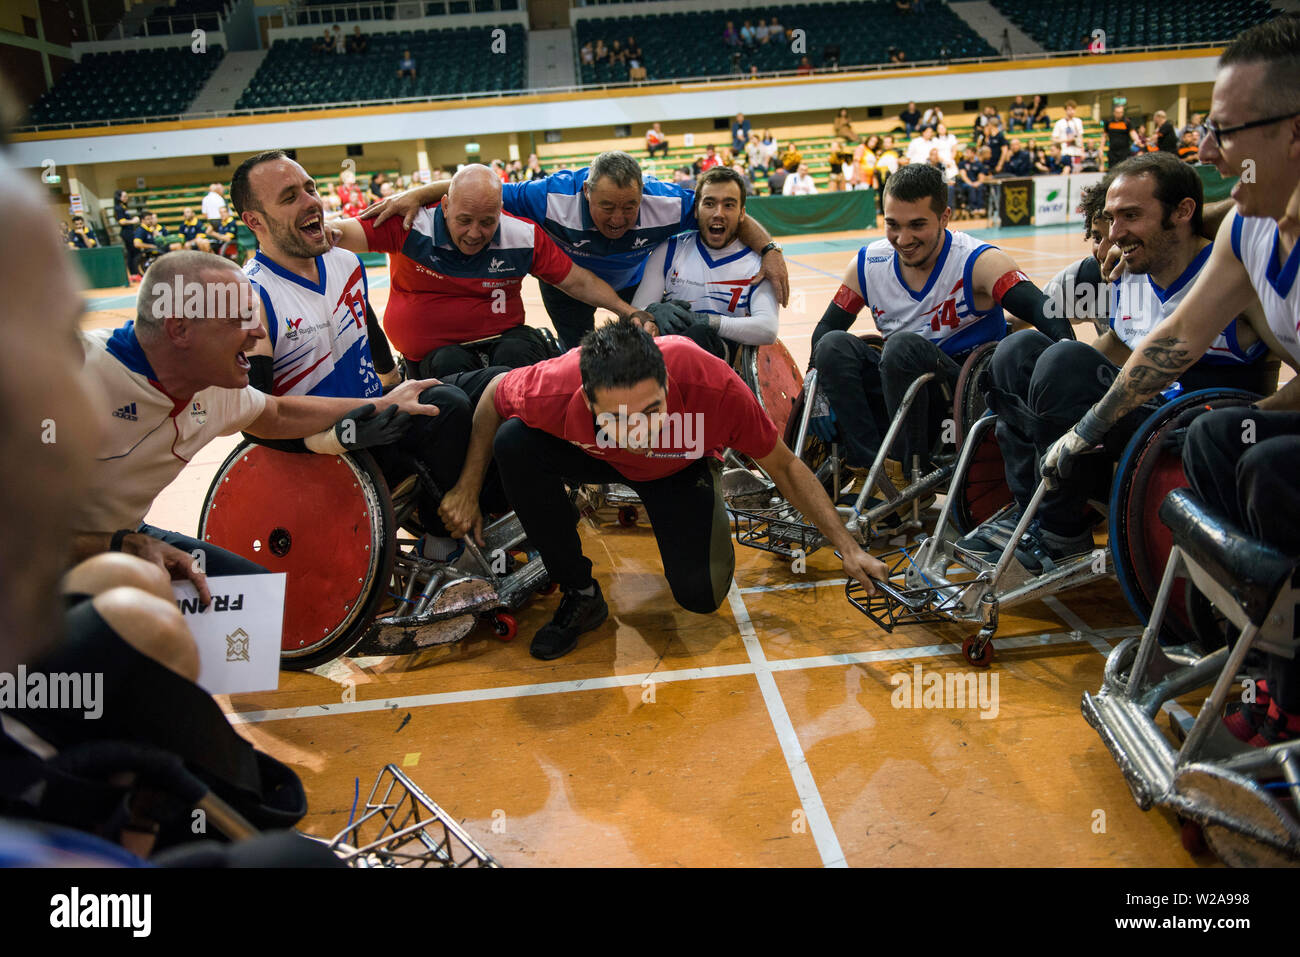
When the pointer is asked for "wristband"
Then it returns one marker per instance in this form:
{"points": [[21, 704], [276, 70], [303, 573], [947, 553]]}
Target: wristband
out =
{"points": [[325, 443], [773, 245], [116, 544], [1092, 428]]}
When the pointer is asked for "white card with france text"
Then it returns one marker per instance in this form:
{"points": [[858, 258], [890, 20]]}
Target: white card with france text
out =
{"points": [[238, 634]]}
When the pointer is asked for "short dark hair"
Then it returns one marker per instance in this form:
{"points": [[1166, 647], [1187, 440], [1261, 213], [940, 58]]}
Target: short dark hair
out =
{"points": [[1092, 203], [1275, 43], [917, 181], [1175, 181], [145, 211], [719, 174], [618, 355], [241, 194]]}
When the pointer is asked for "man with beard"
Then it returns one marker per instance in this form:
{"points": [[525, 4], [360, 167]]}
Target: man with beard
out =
{"points": [[699, 284], [1039, 388], [934, 294], [324, 338]]}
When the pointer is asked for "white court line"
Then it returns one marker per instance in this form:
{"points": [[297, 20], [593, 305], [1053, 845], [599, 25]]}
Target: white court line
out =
{"points": [[819, 821], [1077, 623]]}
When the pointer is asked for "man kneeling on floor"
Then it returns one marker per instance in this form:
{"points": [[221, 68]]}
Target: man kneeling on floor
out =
{"points": [[656, 415]]}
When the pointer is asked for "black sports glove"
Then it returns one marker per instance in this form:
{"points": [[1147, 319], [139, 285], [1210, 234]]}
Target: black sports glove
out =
{"points": [[672, 317], [361, 428]]}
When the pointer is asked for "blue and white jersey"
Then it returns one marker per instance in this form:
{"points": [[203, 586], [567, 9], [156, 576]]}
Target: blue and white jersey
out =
{"points": [[318, 329], [1255, 243], [557, 203], [943, 310], [1138, 305]]}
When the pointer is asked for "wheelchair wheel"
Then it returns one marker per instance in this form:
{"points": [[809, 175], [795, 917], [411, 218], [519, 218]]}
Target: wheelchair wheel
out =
{"points": [[326, 521], [983, 489], [1139, 542], [968, 399], [774, 377]]}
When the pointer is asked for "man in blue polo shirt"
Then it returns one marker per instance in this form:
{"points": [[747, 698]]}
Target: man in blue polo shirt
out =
{"points": [[608, 219]]}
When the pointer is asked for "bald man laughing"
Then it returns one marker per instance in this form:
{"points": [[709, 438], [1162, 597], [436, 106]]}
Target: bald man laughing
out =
{"points": [[456, 278]]}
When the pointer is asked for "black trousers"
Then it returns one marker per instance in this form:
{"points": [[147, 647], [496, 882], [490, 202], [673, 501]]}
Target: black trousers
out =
{"points": [[513, 349], [1040, 389], [651, 147], [441, 442], [573, 319], [1242, 463], [865, 390], [685, 509]]}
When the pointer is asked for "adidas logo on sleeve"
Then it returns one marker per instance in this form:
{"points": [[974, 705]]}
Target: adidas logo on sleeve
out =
{"points": [[126, 412]]}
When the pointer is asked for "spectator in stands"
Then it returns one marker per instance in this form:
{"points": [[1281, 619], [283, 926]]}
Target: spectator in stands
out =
{"points": [[864, 162], [534, 169], [842, 127], [386, 190], [324, 43], [946, 143], [992, 137], [886, 165], [1038, 112], [932, 118], [602, 54], [1018, 112], [791, 158], [831, 56], [340, 41], [770, 148], [969, 184], [1162, 131], [1018, 161], [1053, 161], [776, 182], [617, 54], [799, 183], [729, 35], [838, 157], [214, 203], [739, 133], [1122, 137], [225, 236], [911, 118], [406, 68], [633, 50], [1190, 146], [919, 148], [376, 185], [761, 32], [682, 176], [656, 140], [150, 240], [948, 172], [588, 54], [739, 168], [988, 115], [747, 36], [897, 55], [710, 159], [81, 236], [804, 68], [756, 157], [194, 231], [1196, 123], [358, 42], [1068, 132], [778, 33], [350, 199]]}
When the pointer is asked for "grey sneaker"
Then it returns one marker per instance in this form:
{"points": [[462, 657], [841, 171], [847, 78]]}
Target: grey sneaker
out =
{"points": [[989, 540], [1040, 550]]}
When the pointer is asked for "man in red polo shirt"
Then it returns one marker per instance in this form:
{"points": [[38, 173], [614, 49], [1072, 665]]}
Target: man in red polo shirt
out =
{"points": [[458, 276], [655, 414]]}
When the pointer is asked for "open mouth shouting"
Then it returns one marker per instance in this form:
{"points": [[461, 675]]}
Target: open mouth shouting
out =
{"points": [[312, 228]]}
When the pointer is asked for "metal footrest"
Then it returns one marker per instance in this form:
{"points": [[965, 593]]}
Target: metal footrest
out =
{"points": [[896, 603], [781, 530]]}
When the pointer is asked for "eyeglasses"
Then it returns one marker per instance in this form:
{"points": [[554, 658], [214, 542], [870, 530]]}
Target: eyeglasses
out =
{"points": [[1219, 132]]}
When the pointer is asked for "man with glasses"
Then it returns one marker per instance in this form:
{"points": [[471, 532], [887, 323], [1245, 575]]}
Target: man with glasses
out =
{"points": [[1242, 462]]}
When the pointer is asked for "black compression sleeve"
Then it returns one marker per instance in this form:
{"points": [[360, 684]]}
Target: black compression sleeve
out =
{"points": [[835, 317], [379, 350], [1089, 272], [1026, 301]]}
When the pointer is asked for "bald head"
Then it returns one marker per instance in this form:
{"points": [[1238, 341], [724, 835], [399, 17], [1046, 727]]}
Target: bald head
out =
{"points": [[473, 208]]}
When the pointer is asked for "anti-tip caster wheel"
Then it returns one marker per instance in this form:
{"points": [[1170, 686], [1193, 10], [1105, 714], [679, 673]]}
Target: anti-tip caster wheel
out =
{"points": [[979, 657], [627, 516], [505, 626]]}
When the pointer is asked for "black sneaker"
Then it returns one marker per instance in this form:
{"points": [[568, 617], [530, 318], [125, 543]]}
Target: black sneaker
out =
{"points": [[1041, 550], [577, 613], [990, 539]]}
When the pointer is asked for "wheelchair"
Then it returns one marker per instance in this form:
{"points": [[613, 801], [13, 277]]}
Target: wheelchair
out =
{"points": [[480, 349], [1239, 800], [941, 583], [352, 585], [774, 377], [778, 527]]}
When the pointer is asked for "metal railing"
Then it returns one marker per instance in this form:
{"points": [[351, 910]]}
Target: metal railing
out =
{"points": [[369, 11], [846, 71], [159, 25]]}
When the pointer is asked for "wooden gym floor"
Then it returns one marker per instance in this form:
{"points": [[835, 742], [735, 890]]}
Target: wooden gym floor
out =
{"points": [[763, 734]]}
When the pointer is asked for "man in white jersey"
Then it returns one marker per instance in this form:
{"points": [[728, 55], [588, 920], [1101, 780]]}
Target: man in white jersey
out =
{"points": [[934, 294], [1039, 388], [175, 378], [1255, 128], [325, 338], [699, 284]]}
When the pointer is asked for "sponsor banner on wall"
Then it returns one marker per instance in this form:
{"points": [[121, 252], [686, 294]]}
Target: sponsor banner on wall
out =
{"points": [[1051, 200]]}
